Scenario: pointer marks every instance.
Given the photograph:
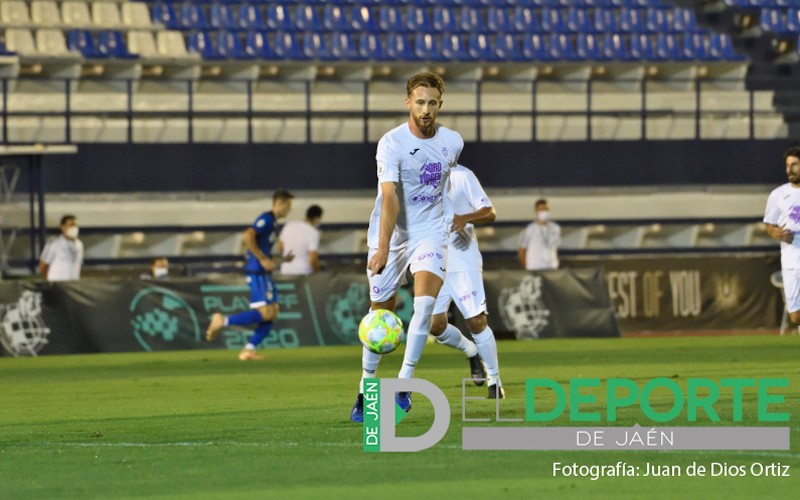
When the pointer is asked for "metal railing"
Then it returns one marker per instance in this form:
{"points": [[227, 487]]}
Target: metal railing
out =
{"points": [[693, 88]]}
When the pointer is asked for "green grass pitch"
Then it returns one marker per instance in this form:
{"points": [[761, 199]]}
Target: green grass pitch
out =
{"points": [[201, 424]]}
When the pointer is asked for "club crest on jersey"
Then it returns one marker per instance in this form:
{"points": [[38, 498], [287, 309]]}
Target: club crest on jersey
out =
{"points": [[430, 173], [445, 152], [794, 214]]}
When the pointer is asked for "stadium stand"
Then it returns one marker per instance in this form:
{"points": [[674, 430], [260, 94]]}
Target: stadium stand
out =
{"points": [[590, 51]]}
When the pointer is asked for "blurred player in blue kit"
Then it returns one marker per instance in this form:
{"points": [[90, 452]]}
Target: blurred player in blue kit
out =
{"points": [[258, 239]]}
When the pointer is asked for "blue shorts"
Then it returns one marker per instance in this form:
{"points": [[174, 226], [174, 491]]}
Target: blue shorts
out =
{"points": [[262, 290]]}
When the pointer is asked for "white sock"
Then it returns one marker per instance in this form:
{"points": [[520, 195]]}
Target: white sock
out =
{"points": [[452, 336], [369, 366], [487, 347], [418, 329]]}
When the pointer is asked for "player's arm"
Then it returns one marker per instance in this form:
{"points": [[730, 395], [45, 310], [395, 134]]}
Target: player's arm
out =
{"points": [[779, 233], [390, 208], [313, 257], [44, 259], [522, 248], [43, 268], [249, 240], [483, 215]]}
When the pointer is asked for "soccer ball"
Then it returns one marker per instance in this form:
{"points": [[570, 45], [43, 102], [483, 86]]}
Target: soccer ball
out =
{"points": [[381, 331]]}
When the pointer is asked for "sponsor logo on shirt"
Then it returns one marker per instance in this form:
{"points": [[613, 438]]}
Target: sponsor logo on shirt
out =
{"points": [[794, 213], [431, 174], [424, 198]]}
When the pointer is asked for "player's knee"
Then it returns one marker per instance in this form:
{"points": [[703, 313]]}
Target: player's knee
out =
{"points": [[389, 305], [438, 324], [478, 323], [268, 312]]}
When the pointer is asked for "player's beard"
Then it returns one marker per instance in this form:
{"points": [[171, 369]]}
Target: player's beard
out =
{"points": [[425, 127]]}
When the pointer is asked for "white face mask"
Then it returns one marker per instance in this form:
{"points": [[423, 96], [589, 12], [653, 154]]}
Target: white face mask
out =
{"points": [[160, 272], [544, 216], [71, 232]]}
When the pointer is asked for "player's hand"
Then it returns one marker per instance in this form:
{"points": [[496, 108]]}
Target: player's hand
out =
{"points": [[288, 257], [785, 235], [378, 261], [462, 240], [459, 223], [267, 263]]}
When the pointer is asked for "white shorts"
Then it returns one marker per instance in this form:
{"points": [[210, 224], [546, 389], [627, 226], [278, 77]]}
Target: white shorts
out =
{"points": [[427, 255], [466, 289], [791, 289]]}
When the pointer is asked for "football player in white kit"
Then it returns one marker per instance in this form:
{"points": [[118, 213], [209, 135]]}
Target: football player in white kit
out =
{"points": [[409, 225], [782, 218], [464, 282]]}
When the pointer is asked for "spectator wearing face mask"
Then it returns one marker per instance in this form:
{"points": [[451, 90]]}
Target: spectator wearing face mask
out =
{"points": [[62, 256], [538, 243], [299, 242], [159, 269]]}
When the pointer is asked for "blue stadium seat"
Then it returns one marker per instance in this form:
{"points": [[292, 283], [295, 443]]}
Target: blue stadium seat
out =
{"points": [[191, 16], [220, 16], [306, 18], [587, 47], [454, 48], [787, 3], [775, 21], [444, 19], [506, 48], [229, 45], [370, 46], [578, 20], [398, 47], [498, 20], [82, 41], [250, 17], [552, 21], [390, 19], [667, 48], [631, 21], [416, 20], [315, 46], [343, 47], [363, 19], [163, 13], [287, 47], [470, 20], [334, 18], [426, 47], [683, 20], [534, 47], [612, 48], [201, 42], [793, 20], [257, 44], [278, 18], [560, 48], [480, 47], [604, 20], [657, 20], [640, 48], [112, 44], [720, 46], [525, 20]]}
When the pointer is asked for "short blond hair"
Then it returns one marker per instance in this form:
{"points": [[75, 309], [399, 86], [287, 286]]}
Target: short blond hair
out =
{"points": [[425, 79]]}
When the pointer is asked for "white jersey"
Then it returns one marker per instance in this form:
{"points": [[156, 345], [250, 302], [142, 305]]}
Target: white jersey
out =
{"points": [[783, 209], [64, 258], [466, 196], [421, 170], [541, 242], [299, 238]]}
